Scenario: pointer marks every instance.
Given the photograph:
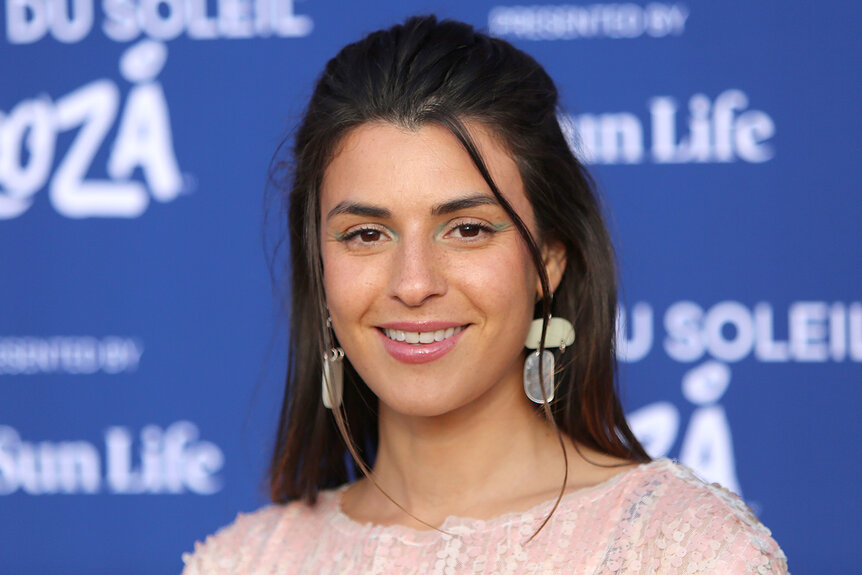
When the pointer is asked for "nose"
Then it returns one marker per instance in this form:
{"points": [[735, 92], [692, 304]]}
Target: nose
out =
{"points": [[417, 273]]}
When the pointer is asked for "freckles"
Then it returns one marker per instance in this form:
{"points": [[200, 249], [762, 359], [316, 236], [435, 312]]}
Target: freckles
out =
{"points": [[495, 279], [352, 283]]}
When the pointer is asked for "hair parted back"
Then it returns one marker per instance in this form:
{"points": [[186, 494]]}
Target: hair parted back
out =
{"points": [[444, 72]]}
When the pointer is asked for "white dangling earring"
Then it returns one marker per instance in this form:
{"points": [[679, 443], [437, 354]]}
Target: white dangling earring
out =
{"points": [[560, 333], [332, 381]]}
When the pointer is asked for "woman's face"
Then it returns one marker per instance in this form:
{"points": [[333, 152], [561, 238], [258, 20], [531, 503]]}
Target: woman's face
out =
{"points": [[429, 285]]}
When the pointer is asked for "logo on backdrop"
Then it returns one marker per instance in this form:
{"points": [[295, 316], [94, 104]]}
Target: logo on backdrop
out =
{"points": [[71, 355], [729, 331], [28, 132], [71, 21], [723, 334], [143, 141], [716, 130], [159, 461], [573, 21], [707, 447]]}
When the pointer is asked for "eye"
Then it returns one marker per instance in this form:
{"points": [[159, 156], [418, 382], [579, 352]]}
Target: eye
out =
{"points": [[470, 230], [368, 235], [363, 235]]}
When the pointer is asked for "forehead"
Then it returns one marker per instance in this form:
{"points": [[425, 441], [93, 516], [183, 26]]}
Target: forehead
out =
{"points": [[384, 164]]}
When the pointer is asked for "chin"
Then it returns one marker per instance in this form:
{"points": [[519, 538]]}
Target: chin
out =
{"points": [[423, 406]]}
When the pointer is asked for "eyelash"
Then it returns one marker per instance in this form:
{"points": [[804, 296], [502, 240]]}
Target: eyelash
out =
{"points": [[354, 234], [481, 227]]}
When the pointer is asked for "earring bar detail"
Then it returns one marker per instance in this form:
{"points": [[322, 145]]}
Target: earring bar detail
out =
{"points": [[561, 333]]}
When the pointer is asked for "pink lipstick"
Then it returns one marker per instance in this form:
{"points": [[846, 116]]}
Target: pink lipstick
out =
{"points": [[420, 342]]}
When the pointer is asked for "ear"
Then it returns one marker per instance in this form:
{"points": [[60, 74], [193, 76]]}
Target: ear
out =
{"points": [[554, 258]]}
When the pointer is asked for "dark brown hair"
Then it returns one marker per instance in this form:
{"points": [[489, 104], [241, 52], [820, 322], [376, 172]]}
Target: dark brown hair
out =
{"points": [[445, 73]]}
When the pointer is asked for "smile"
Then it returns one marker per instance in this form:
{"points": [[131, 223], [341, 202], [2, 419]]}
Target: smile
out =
{"points": [[421, 342], [422, 337]]}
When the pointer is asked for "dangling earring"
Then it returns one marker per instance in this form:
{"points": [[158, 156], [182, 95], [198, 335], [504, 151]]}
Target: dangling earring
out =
{"points": [[560, 333], [332, 382]]}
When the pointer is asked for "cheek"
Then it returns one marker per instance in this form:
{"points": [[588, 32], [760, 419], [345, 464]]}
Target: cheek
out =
{"points": [[501, 280], [349, 284]]}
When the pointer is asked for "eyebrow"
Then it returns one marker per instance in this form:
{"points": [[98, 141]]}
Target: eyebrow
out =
{"points": [[359, 209], [463, 204], [372, 211]]}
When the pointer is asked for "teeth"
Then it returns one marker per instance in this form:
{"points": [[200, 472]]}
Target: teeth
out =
{"points": [[421, 337]]}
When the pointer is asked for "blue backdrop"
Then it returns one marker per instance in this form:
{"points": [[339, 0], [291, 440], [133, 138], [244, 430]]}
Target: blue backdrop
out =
{"points": [[141, 350]]}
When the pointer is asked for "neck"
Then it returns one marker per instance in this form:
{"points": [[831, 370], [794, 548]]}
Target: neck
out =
{"points": [[496, 451]]}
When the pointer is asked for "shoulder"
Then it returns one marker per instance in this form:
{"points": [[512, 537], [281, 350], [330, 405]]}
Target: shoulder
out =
{"points": [[246, 543], [701, 528], [227, 549]]}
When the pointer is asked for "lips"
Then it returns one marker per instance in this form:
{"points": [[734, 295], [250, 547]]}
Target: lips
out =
{"points": [[422, 342]]}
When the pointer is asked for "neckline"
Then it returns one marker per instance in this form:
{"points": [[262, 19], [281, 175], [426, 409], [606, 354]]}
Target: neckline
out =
{"points": [[454, 525]]}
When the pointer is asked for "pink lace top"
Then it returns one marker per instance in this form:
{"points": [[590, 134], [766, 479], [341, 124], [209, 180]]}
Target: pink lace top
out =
{"points": [[655, 518]]}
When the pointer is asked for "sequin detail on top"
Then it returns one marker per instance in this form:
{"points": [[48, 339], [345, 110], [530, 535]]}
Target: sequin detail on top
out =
{"points": [[655, 518]]}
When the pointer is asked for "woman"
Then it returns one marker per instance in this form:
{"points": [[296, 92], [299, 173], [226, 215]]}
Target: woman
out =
{"points": [[435, 211]]}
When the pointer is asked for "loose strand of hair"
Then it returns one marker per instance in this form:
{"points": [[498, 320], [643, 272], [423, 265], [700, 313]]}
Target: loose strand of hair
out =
{"points": [[343, 426], [341, 420], [460, 131]]}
